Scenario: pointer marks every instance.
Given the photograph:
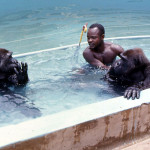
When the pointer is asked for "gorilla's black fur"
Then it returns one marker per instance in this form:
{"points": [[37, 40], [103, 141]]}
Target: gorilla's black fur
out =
{"points": [[132, 70], [11, 71]]}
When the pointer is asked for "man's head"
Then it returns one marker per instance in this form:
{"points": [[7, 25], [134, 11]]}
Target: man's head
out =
{"points": [[95, 35], [100, 28]]}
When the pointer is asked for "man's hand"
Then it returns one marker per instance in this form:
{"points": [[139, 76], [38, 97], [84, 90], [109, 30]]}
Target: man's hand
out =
{"points": [[104, 67]]}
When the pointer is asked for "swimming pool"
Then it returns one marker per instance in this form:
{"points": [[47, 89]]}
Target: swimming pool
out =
{"points": [[54, 85], [57, 84]]}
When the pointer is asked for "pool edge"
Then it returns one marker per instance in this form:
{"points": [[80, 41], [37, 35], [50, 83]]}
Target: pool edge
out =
{"points": [[103, 124]]}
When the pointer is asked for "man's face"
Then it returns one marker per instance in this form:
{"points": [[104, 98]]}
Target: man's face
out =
{"points": [[93, 37]]}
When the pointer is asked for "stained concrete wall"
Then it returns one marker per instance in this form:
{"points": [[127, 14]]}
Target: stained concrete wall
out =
{"points": [[106, 131]]}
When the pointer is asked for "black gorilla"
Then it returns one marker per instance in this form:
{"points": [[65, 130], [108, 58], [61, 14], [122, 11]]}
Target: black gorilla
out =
{"points": [[132, 71], [11, 71]]}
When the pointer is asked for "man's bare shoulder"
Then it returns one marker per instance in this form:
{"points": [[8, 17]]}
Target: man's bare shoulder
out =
{"points": [[88, 54], [108, 43], [116, 48], [87, 51]]}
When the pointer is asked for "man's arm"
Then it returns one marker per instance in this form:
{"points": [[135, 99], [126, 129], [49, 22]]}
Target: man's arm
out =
{"points": [[89, 57]]}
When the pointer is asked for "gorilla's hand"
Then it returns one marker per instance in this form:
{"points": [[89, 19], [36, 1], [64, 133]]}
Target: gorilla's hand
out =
{"points": [[133, 92], [21, 75]]}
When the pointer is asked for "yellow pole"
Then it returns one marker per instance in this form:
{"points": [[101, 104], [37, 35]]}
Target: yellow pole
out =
{"points": [[84, 29], [81, 37]]}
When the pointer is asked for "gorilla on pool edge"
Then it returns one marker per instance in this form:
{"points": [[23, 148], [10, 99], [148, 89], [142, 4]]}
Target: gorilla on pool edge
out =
{"points": [[132, 70], [11, 71]]}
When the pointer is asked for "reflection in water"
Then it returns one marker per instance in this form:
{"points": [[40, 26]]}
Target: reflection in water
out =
{"points": [[15, 106], [93, 80], [75, 60]]}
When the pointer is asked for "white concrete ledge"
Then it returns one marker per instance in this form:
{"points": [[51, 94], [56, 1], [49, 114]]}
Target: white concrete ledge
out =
{"points": [[50, 124]]}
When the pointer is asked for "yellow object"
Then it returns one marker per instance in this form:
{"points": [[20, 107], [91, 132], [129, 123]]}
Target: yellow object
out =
{"points": [[81, 37], [83, 30]]}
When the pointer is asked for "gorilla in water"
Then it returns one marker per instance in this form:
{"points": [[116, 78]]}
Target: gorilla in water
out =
{"points": [[131, 71], [11, 71]]}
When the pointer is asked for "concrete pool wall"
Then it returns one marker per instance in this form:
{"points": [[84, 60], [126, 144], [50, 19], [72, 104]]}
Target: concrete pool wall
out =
{"points": [[114, 123]]}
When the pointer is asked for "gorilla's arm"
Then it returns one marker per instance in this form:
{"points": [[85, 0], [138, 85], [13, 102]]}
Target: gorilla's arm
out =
{"points": [[146, 82]]}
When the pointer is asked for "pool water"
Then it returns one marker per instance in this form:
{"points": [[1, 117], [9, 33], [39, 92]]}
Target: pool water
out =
{"points": [[35, 25], [59, 80], [57, 83]]}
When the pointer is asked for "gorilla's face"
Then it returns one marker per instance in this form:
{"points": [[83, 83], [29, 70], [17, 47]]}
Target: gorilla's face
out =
{"points": [[120, 67]]}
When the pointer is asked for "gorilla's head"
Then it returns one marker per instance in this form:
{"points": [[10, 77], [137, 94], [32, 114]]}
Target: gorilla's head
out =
{"points": [[7, 62], [132, 70], [129, 61], [11, 71]]}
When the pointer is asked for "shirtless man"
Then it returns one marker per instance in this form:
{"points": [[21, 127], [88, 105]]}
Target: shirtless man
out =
{"points": [[100, 53]]}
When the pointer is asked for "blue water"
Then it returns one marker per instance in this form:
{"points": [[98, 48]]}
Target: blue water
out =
{"points": [[55, 84], [31, 25]]}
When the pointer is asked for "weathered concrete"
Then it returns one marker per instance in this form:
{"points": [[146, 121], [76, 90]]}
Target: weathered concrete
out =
{"points": [[126, 122], [139, 145]]}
